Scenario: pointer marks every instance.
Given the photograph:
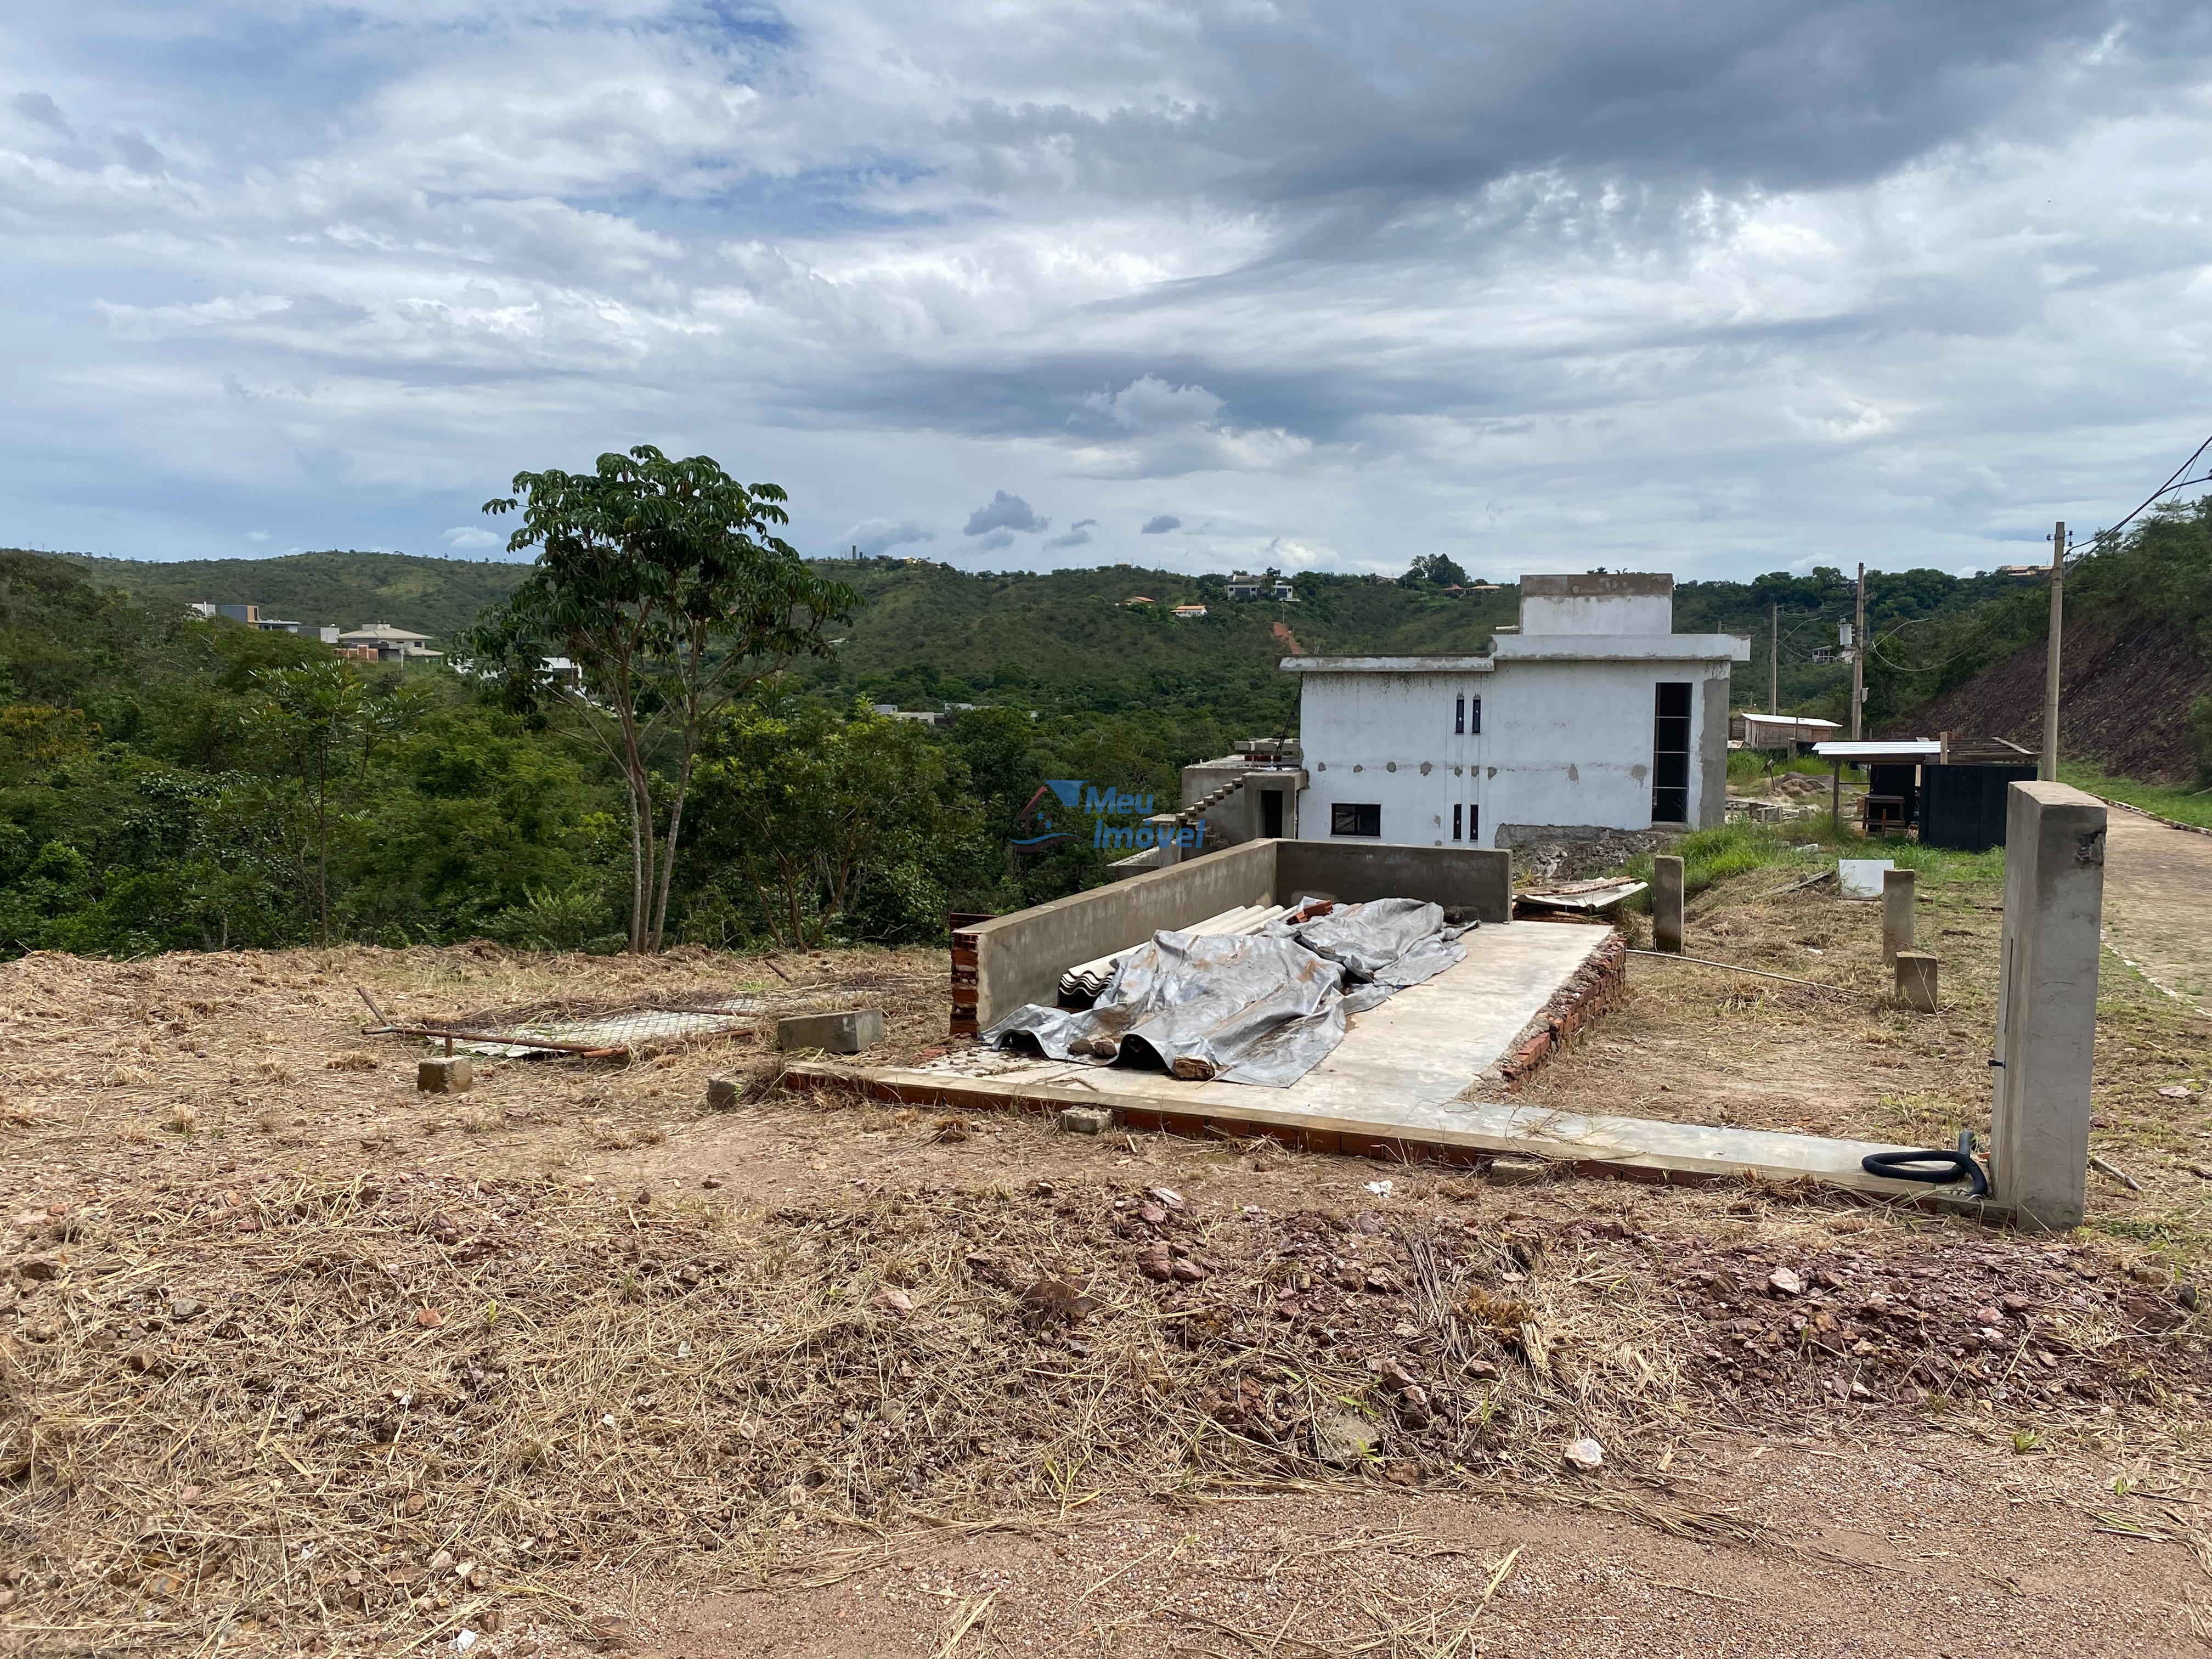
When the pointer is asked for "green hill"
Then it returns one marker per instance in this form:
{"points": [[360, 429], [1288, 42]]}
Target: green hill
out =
{"points": [[2136, 690], [437, 597], [1063, 640]]}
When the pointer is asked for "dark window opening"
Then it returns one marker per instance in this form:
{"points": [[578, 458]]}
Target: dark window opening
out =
{"points": [[1271, 814], [1356, 820], [1670, 753], [1474, 724], [1458, 719], [1474, 823], [1455, 825]]}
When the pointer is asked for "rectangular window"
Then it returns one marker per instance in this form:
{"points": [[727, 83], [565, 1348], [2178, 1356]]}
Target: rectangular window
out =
{"points": [[1455, 824], [1360, 820], [1458, 719], [1474, 823], [1476, 726], [1670, 753], [1271, 814]]}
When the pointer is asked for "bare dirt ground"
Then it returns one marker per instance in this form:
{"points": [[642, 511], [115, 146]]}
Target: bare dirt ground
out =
{"points": [[295, 1358]]}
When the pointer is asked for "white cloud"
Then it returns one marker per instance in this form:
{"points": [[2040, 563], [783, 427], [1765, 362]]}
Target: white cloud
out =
{"points": [[1005, 513], [257, 535], [1481, 280], [468, 538]]}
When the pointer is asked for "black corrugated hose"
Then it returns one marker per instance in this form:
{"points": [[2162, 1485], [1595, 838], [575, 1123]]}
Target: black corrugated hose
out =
{"points": [[1937, 1166]]}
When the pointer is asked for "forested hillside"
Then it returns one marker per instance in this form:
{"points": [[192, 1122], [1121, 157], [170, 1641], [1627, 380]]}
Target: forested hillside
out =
{"points": [[437, 597], [929, 635], [2137, 687], [167, 781]]}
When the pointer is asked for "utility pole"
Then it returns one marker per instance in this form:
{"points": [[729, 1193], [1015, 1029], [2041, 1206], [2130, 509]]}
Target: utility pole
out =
{"points": [[2049, 770], [1858, 658], [1774, 662]]}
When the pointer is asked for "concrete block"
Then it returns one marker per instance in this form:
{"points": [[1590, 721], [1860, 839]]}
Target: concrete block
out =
{"points": [[723, 1093], [2054, 901], [845, 1033], [1667, 904], [1086, 1120], [1896, 895], [448, 1074], [1916, 981]]}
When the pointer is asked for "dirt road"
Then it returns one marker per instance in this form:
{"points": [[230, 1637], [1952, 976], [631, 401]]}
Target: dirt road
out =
{"points": [[2158, 904]]}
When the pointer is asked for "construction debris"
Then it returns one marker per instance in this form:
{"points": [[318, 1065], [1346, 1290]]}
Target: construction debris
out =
{"points": [[1081, 985], [845, 1033], [527, 1033], [451, 1076], [1578, 897], [1262, 1007]]}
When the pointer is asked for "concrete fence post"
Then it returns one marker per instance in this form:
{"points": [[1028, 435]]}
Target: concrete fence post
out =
{"points": [[1897, 896], [1667, 904], [2054, 901]]}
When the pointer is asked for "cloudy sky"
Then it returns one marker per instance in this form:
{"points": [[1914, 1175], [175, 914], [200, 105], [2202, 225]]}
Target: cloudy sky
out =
{"points": [[1715, 286]]}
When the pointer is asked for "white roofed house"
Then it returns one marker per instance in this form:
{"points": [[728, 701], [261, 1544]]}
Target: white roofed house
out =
{"points": [[391, 644], [1594, 715]]}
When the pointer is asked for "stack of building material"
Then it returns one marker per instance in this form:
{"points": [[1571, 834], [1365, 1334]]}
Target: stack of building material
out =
{"points": [[1082, 983], [1261, 1000]]}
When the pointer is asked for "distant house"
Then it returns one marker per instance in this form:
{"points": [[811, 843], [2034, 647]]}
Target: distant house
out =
{"points": [[1799, 732], [1140, 598], [250, 616], [2020, 573], [1190, 610], [391, 644], [1244, 586]]}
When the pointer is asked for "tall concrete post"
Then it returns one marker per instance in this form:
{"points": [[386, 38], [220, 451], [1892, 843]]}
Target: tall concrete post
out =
{"points": [[1897, 890], [2054, 902], [1667, 904]]}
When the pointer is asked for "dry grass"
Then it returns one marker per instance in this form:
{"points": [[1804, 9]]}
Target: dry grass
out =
{"points": [[381, 1406], [310, 1332]]}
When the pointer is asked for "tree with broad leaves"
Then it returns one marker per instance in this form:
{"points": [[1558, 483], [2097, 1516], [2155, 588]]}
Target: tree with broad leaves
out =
{"points": [[663, 584]]}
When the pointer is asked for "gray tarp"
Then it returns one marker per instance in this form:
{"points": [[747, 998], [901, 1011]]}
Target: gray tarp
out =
{"points": [[1263, 1008]]}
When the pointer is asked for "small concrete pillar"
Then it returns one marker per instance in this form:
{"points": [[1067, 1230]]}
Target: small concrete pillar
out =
{"points": [[1167, 836], [1896, 898], [450, 1074], [1916, 980], [2054, 902], [1667, 904]]}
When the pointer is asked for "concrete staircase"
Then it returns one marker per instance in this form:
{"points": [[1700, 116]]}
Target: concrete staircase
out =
{"points": [[1197, 809]]}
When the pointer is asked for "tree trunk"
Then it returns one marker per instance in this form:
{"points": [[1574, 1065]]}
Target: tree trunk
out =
{"points": [[665, 879], [323, 846]]}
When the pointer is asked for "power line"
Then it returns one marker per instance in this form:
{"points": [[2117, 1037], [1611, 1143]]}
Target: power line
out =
{"points": [[2174, 481]]}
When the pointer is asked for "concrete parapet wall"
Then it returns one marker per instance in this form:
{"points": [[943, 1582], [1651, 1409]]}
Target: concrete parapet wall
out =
{"points": [[1476, 880], [1020, 957]]}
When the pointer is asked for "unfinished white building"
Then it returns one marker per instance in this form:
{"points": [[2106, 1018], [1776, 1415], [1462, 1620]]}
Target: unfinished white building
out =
{"points": [[1595, 715]]}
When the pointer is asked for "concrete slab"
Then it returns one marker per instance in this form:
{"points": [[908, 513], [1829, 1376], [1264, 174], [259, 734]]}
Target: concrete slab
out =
{"points": [[1417, 1053], [1406, 1080]]}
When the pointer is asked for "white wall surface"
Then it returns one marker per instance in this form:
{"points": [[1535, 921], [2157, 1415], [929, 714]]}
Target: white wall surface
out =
{"points": [[1626, 613], [1562, 743]]}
